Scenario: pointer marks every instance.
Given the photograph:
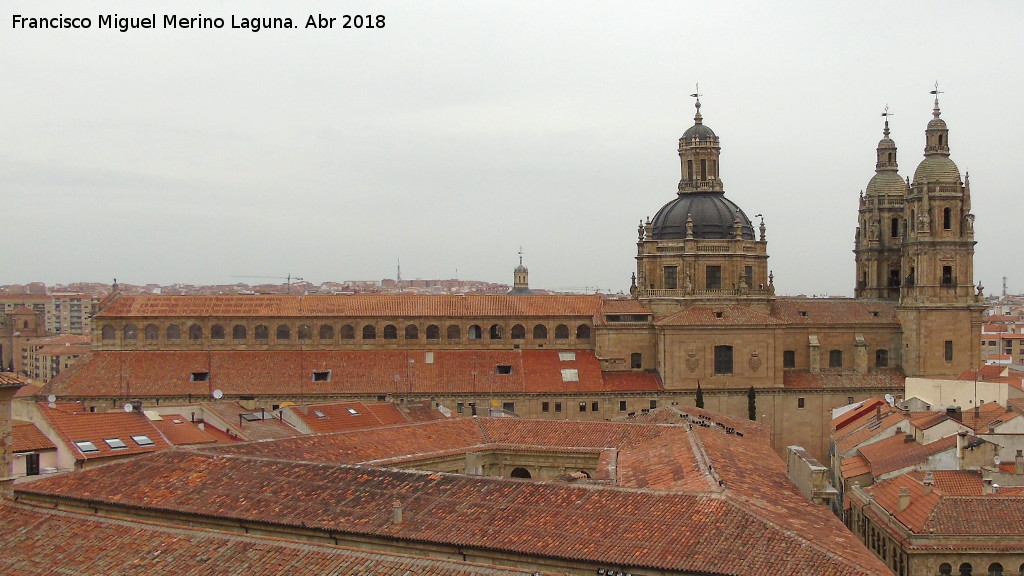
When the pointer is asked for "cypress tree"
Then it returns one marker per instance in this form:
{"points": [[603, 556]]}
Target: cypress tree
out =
{"points": [[752, 404], [700, 396]]}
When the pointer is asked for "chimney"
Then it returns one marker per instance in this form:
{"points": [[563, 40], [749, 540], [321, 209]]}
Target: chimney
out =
{"points": [[878, 412], [908, 438], [961, 442], [988, 486], [1019, 462], [904, 501], [955, 413], [929, 480], [396, 512]]}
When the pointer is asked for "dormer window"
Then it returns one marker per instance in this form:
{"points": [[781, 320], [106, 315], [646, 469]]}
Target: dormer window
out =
{"points": [[503, 369], [321, 376], [199, 377]]}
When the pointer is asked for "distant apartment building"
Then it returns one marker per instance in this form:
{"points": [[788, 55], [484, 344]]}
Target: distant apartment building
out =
{"points": [[61, 313], [44, 358]]}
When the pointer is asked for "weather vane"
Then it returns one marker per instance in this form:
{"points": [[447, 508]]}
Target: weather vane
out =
{"points": [[886, 113], [696, 93], [936, 92]]}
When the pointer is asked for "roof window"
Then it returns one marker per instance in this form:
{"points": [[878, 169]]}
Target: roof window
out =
{"points": [[503, 369], [85, 446], [319, 414], [199, 377], [570, 375], [321, 376], [143, 440], [802, 312], [567, 356], [353, 411], [115, 443]]}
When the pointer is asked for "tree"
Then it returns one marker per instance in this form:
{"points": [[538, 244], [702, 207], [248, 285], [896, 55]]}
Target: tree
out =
{"points": [[700, 397], [752, 404]]}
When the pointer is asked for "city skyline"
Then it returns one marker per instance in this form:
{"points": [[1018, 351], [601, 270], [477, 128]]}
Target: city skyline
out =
{"points": [[459, 133]]}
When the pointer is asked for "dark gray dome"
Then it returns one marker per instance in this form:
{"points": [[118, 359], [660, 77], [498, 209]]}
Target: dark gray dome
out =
{"points": [[700, 132], [712, 213]]}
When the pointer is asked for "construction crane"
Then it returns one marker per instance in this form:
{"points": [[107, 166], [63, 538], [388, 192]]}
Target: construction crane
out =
{"points": [[289, 278]]}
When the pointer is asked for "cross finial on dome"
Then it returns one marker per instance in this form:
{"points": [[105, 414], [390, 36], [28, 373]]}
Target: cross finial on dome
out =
{"points": [[520, 255], [886, 114], [936, 92], [696, 94]]}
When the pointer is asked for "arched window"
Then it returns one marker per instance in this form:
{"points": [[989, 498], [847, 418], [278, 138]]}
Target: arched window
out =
{"points": [[369, 332], [723, 359], [174, 332], [195, 332], [966, 569], [583, 332], [217, 332], [521, 473], [497, 332], [108, 332], [262, 332], [945, 569], [412, 332], [129, 332], [518, 332], [326, 332], [835, 358], [636, 360], [152, 332], [238, 332], [475, 332], [995, 569], [540, 332], [881, 358], [348, 332], [454, 332], [390, 332], [304, 332], [561, 332], [283, 332], [433, 332]]}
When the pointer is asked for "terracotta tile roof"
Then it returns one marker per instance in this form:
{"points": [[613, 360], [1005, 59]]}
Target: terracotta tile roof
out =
{"points": [[986, 416], [751, 520], [872, 430], [38, 541], [832, 311], [284, 372], [28, 438], [711, 316], [267, 426], [925, 420], [11, 379], [352, 305], [28, 390], [854, 466], [73, 424], [623, 306], [179, 431], [894, 453], [683, 415], [805, 379], [339, 416], [864, 408]]}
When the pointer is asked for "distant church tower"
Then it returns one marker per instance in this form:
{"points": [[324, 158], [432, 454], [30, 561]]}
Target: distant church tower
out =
{"points": [[700, 248], [938, 307], [521, 278], [881, 226]]}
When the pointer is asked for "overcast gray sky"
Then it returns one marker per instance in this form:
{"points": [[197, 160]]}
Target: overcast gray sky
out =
{"points": [[463, 130]]}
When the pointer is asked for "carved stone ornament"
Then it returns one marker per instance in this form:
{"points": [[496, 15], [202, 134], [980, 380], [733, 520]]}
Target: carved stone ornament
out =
{"points": [[692, 362], [755, 361]]}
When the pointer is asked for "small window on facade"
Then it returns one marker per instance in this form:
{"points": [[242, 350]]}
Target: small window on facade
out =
{"points": [[947, 219], [459, 407], [561, 332], [369, 332], [558, 407], [321, 376], [412, 332], [583, 332], [947, 275], [85, 446], [545, 406], [497, 332], [594, 406], [723, 359], [476, 332], [789, 358], [622, 405], [713, 277], [636, 360], [195, 332], [670, 277], [881, 358], [503, 369], [948, 350], [142, 440], [129, 332], [748, 276], [583, 406], [540, 332], [305, 333], [238, 332], [454, 332], [835, 358], [390, 332], [508, 406], [719, 314], [261, 332], [703, 169], [199, 377], [152, 332], [326, 332], [653, 404], [174, 332], [800, 402], [217, 332], [433, 332], [283, 332], [894, 228], [689, 170], [518, 332], [849, 399], [115, 443], [108, 332], [894, 278]]}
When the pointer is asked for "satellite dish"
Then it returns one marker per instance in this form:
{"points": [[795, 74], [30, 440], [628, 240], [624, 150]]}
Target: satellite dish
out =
{"points": [[51, 398], [128, 407], [218, 394], [891, 400]]}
